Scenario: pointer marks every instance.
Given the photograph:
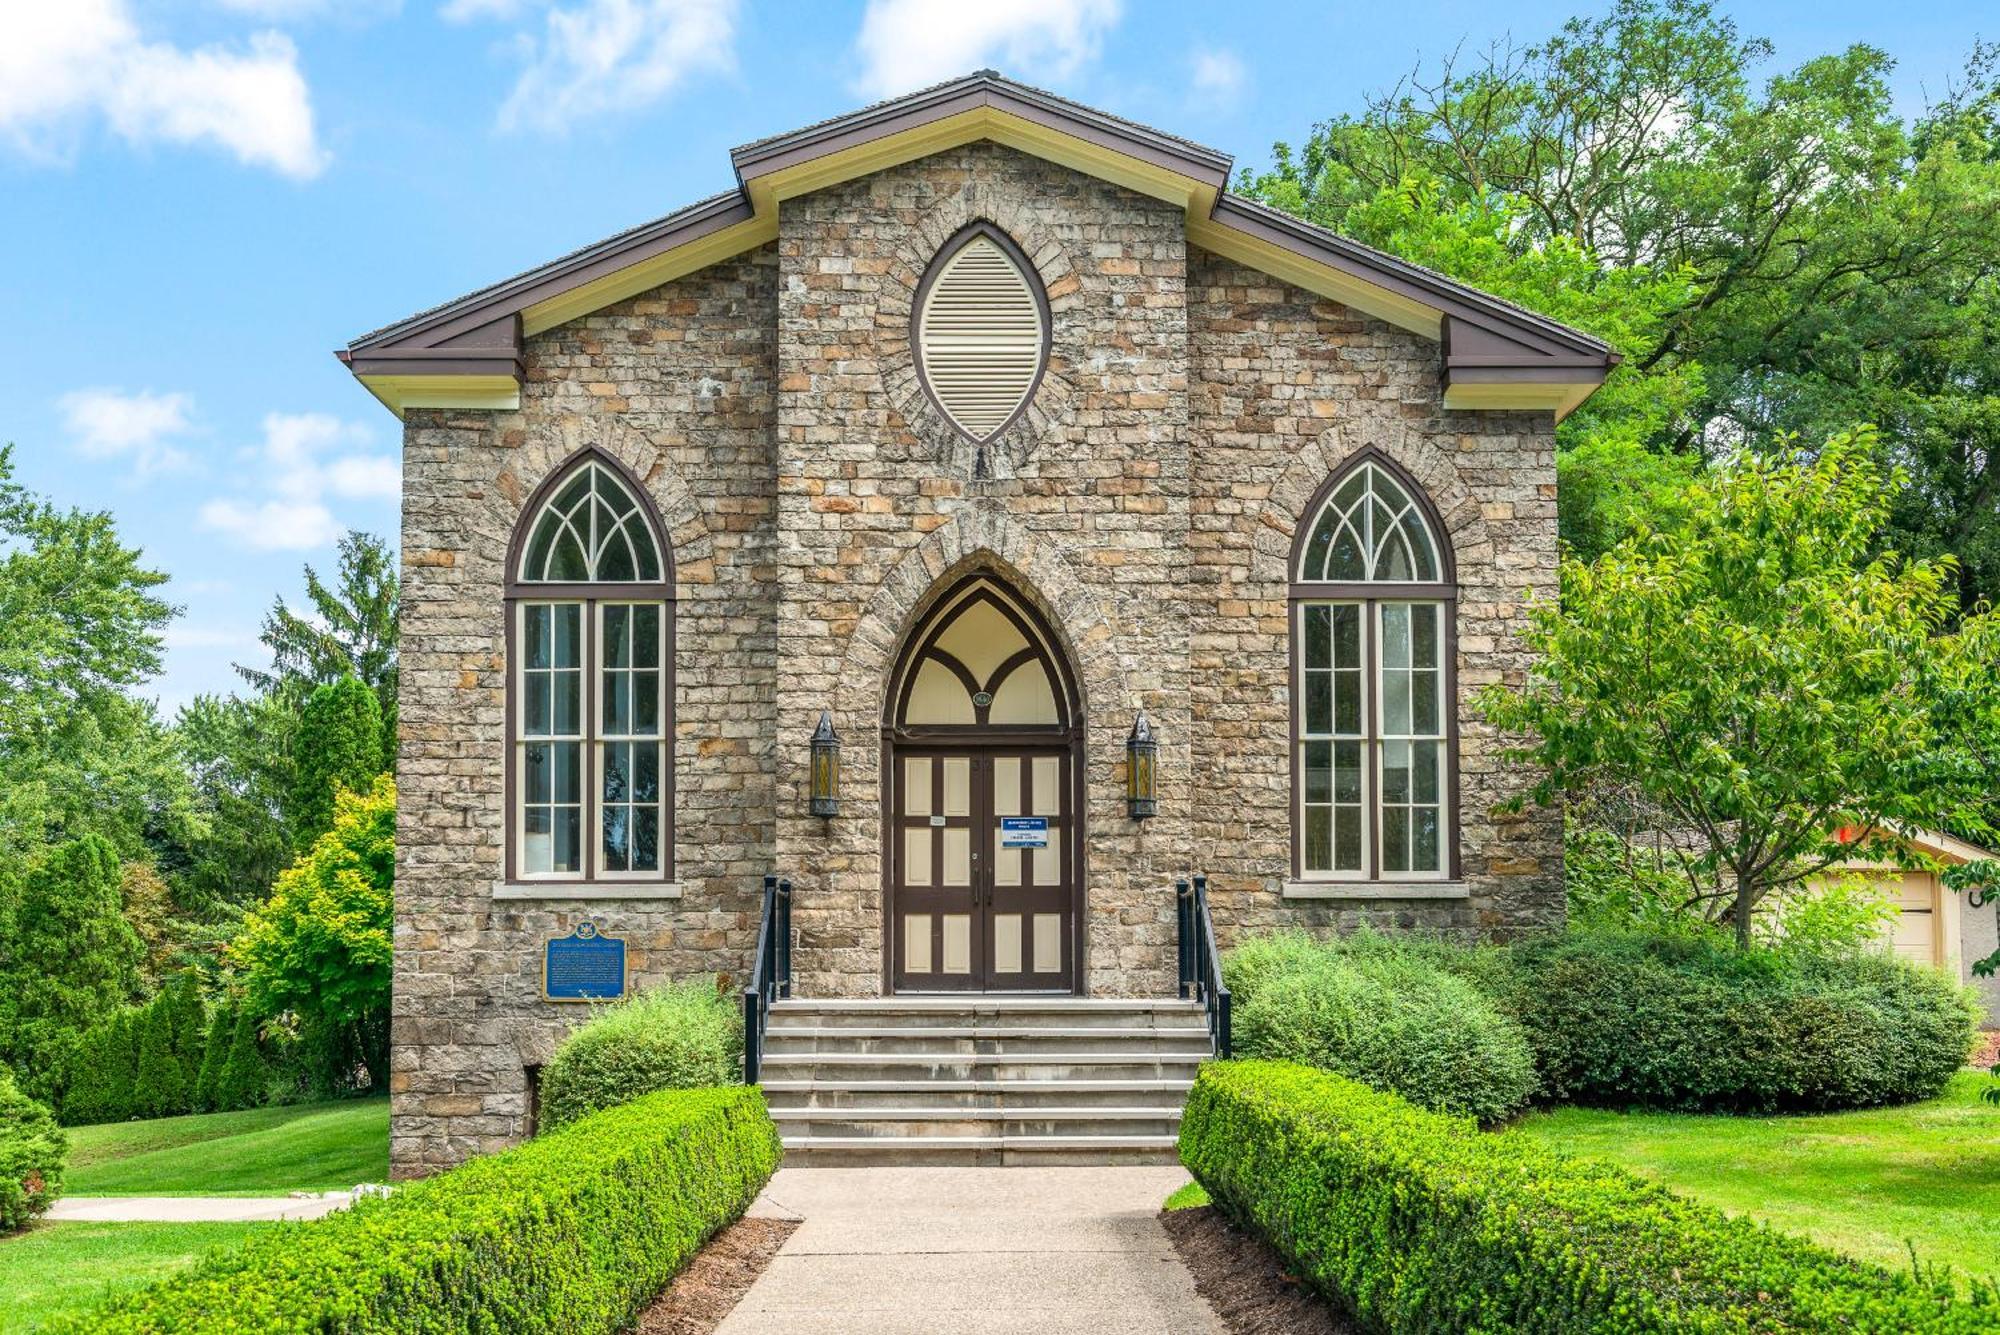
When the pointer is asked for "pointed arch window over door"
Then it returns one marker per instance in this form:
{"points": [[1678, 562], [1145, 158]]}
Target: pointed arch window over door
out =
{"points": [[1374, 712], [590, 681]]}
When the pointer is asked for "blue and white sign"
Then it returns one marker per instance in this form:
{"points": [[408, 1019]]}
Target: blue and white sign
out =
{"points": [[1024, 832], [583, 966]]}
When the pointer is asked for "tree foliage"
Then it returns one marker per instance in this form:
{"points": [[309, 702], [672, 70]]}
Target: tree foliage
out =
{"points": [[1762, 678], [320, 947], [73, 959], [1772, 253], [339, 747], [350, 630]]}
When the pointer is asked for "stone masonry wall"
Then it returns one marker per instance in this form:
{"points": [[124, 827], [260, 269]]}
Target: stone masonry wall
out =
{"points": [[1082, 506], [817, 502], [677, 384], [1286, 386]]}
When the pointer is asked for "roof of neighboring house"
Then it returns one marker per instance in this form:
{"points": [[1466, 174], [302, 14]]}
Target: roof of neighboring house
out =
{"points": [[467, 352], [1944, 847]]}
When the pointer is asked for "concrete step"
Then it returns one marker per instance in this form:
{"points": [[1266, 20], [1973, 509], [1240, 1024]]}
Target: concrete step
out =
{"points": [[946, 1065], [948, 1123], [987, 1011], [1039, 1040], [995, 1150], [834, 1093]]}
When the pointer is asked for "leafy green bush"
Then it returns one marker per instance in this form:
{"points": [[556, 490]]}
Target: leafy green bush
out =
{"points": [[570, 1234], [1623, 1020], [678, 1037], [1417, 1222], [102, 1069], [215, 1052], [160, 1088], [245, 1078], [1383, 1012], [33, 1151]]}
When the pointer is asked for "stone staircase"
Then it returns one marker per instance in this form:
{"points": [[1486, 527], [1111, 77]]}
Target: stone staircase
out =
{"points": [[981, 1079]]}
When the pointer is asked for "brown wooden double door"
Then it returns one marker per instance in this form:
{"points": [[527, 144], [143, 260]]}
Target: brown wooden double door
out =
{"points": [[983, 856]]}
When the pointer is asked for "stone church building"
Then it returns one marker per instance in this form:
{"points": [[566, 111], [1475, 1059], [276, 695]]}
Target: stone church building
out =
{"points": [[979, 423]]}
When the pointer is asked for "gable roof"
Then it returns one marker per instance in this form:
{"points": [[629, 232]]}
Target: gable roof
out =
{"points": [[467, 353]]}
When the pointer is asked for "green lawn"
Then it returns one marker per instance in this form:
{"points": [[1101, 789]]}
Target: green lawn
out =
{"points": [[1870, 1184], [264, 1151], [56, 1268]]}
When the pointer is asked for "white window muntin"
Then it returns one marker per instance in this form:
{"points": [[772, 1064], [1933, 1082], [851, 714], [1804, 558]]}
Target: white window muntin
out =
{"points": [[629, 762], [566, 722], [1397, 785]]}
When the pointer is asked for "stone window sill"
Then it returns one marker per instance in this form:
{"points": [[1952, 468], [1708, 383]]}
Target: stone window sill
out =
{"points": [[586, 889], [1377, 890]]}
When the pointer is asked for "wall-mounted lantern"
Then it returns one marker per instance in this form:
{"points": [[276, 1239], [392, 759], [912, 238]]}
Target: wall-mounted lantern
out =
{"points": [[1142, 761], [825, 785]]}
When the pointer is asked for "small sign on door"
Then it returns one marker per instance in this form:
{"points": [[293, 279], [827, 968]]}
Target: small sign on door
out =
{"points": [[1024, 832]]}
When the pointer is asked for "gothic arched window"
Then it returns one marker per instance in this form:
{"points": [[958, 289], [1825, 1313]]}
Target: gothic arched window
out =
{"points": [[590, 681], [1374, 706]]}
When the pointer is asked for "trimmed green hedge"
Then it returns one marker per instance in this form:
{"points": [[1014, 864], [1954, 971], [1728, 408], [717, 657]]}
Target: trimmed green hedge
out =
{"points": [[1418, 1222], [1623, 1019], [33, 1153], [573, 1233]]}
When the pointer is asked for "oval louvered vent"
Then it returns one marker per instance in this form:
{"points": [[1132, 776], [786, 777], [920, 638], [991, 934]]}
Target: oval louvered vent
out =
{"points": [[981, 334]]}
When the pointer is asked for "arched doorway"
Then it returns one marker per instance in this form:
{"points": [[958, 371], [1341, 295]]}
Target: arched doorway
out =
{"points": [[982, 812]]}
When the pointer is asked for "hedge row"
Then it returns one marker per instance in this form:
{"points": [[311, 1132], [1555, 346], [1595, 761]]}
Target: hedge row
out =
{"points": [[1417, 1222], [573, 1232]]}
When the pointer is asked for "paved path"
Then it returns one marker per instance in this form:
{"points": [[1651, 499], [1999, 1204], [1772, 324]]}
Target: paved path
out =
{"points": [[937, 1251], [192, 1209]]}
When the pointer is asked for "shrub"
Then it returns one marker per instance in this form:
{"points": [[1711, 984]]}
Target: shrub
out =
{"points": [[215, 1051], [1695, 1024], [100, 1084], [245, 1078], [572, 1233], [33, 1150], [160, 1089], [1417, 1222], [678, 1037], [1384, 1013]]}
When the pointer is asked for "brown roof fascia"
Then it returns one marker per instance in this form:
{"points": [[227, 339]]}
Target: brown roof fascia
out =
{"points": [[986, 88], [1486, 339]]}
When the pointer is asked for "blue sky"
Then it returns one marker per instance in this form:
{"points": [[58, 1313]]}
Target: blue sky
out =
{"points": [[200, 199]]}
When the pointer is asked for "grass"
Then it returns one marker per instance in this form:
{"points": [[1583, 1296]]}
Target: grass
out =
{"points": [[56, 1268], [1872, 1184], [1189, 1196], [259, 1152]]}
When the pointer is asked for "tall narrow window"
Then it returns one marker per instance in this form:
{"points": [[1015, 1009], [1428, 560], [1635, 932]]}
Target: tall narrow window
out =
{"points": [[1373, 608], [591, 689]]}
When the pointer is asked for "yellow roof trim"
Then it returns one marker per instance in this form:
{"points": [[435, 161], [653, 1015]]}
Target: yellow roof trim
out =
{"points": [[650, 273], [1323, 280], [400, 392], [1561, 397]]}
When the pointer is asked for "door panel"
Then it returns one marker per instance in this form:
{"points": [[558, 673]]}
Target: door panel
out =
{"points": [[983, 866]]}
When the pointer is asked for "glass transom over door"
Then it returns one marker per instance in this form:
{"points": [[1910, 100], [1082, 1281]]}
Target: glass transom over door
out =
{"points": [[983, 874]]}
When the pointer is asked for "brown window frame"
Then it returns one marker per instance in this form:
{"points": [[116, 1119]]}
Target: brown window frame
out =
{"points": [[592, 597], [1371, 596]]}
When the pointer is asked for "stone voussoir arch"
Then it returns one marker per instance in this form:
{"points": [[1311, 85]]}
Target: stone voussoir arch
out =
{"points": [[977, 539], [627, 440], [1430, 467], [1043, 419]]}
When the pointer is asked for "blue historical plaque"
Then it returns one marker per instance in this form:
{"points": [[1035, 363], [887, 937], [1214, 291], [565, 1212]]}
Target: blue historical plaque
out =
{"points": [[583, 966], [1024, 832]]}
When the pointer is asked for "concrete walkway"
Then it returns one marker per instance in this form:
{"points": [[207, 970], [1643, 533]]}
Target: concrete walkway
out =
{"points": [[193, 1209], [935, 1251]]}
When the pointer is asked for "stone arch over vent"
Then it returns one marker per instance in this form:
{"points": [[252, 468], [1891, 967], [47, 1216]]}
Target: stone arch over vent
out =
{"points": [[1049, 406], [1291, 502]]}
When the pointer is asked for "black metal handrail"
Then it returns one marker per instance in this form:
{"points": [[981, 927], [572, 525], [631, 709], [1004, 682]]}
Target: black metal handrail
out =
{"points": [[1200, 962], [770, 973]]}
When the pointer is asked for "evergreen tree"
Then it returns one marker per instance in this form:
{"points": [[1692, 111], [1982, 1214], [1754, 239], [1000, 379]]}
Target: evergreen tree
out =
{"points": [[91, 1087], [243, 1079], [161, 1089], [74, 959], [339, 746], [215, 1051], [190, 1025]]}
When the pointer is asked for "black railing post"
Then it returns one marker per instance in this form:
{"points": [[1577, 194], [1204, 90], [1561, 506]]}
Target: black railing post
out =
{"points": [[756, 993], [785, 938], [1184, 939], [1207, 967], [1198, 911]]}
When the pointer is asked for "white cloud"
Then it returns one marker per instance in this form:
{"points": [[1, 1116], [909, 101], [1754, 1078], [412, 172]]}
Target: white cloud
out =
{"points": [[906, 44], [62, 65], [1218, 75], [467, 11], [111, 424], [597, 57], [304, 459]]}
